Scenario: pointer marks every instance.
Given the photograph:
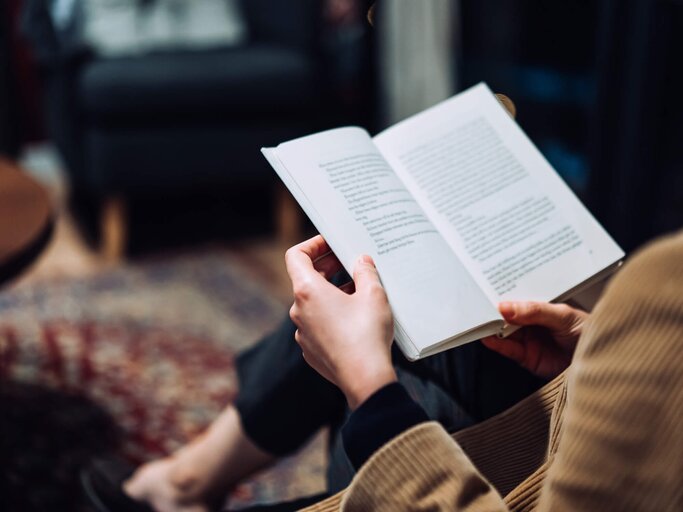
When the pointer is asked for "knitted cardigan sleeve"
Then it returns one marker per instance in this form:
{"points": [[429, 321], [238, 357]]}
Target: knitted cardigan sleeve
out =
{"points": [[621, 446]]}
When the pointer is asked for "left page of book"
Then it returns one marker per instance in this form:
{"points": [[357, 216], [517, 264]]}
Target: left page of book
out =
{"points": [[360, 206]]}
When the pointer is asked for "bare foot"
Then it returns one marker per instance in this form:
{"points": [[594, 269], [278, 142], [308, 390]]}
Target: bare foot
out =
{"points": [[199, 476], [158, 484]]}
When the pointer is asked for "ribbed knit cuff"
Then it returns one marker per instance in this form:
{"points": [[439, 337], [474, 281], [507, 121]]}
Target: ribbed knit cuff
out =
{"points": [[383, 416], [422, 465]]}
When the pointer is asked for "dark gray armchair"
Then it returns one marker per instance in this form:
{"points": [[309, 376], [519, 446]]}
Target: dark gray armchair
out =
{"points": [[182, 121]]}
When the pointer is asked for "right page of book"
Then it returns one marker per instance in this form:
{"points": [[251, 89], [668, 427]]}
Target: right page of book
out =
{"points": [[513, 222]]}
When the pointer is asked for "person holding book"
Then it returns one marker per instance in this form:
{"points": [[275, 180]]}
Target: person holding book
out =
{"points": [[607, 434], [488, 190]]}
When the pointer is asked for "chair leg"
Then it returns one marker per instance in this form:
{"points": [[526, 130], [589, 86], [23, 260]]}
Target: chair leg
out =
{"points": [[288, 218], [114, 229]]}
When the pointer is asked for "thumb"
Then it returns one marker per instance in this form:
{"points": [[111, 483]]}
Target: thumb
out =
{"points": [[365, 274], [552, 316]]}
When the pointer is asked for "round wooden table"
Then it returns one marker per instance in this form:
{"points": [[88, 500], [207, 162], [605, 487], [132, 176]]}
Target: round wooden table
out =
{"points": [[26, 220]]}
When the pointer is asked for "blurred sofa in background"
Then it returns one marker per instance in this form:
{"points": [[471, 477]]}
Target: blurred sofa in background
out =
{"points": [[179, 120]]}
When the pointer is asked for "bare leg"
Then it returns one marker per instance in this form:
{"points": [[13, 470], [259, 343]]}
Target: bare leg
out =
{"points": [[198, 476]]}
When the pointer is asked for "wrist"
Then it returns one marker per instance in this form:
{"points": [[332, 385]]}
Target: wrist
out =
{"points": [[365, 385]]}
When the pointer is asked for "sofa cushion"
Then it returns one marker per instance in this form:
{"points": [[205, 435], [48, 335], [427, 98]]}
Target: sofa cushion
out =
{"points": [[246, 80]]}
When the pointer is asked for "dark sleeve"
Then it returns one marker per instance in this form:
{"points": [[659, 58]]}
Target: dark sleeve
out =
{"points": [[383, 416]]}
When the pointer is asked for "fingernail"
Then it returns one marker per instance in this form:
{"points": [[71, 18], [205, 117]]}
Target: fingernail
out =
{"points": [[507, 309], [367, 259]]}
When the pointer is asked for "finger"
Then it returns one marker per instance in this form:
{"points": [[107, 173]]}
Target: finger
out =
{"points": [[518, 335], [304, 344], [306, 358], [327, 265], [299, 261], [365, 275], [552, 316], [488, 339], [512, 349], [294, 314], [307, 252], [315, 247], [349, 287]]}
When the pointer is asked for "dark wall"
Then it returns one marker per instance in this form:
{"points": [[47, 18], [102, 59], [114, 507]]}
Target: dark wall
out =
{"points": [[637, 183], [542, 55], [8, 131], [596, 83]]}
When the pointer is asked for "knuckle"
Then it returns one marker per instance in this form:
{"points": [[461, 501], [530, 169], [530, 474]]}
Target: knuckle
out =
{"points": [[388, 321], [301, 339], [377, 292], [374, 287], [289, 253], [294, 314], [533, 310], [566, 314], [361, 272], [302, 290], [565, 311], [370, 271]]}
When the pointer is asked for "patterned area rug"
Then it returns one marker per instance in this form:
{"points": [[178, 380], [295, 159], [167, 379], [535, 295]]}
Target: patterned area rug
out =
{"points": [[154, 346]]}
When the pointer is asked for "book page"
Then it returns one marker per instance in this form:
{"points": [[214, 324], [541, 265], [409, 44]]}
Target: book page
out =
{"points": [[360, 206], [503, 209]]}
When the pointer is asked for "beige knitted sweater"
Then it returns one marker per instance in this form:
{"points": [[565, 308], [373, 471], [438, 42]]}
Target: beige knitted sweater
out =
{"points": [[606, 435]]}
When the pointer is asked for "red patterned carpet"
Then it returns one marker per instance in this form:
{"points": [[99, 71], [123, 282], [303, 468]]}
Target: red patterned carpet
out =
{"points": [[153, 345]]}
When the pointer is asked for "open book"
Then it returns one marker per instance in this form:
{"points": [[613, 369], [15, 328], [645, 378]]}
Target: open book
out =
{"points": [[459, 210]]}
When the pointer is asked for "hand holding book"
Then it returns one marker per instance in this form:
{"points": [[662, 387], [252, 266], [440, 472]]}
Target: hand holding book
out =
{"points": [[545, 345], [345, 337]]}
